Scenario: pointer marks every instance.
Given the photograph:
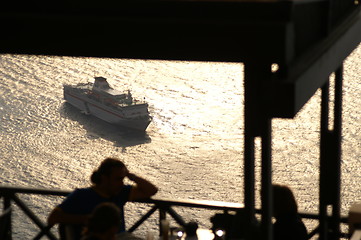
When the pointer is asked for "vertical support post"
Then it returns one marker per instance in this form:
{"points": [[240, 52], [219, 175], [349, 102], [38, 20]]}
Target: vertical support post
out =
{"points": [[267, 193], [257, 123], [7, 204], [162, 216], [337, 131], [323, 162], [249, 159], [330, 162]]}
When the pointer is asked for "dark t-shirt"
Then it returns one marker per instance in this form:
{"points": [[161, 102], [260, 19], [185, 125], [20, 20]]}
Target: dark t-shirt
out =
{"points": [[84, 200], [289, 227], [90, 238]]}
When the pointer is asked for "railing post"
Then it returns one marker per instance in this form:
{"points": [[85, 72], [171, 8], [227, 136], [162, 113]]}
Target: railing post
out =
{"points": [[162, 216], [7, 204]]}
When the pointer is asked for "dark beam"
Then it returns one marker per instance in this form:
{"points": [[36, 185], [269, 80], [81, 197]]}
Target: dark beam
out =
{"points": [[233, 30], [310, 71]]}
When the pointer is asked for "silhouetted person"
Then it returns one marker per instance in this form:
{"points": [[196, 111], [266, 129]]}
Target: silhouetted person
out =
{"points": [[103, 223], [288, 225], [107, 186], [191, 230]]}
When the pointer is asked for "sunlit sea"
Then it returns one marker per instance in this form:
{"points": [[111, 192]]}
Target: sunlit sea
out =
{"points": [[193, 149]]}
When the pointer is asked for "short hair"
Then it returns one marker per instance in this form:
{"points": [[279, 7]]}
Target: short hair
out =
{"points": [[105, 169], [104, 216]]}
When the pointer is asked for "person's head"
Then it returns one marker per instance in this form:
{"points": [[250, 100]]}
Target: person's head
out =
{"points": [[104, 221], [110, 175], [284, 201]]}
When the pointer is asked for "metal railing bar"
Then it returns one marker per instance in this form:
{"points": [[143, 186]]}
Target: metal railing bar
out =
{"points": [[314, 232], [32, 216], [176, 217], [216, 205], [43, 232], [142, 219], [164, 205], [39, 191], [314, 216]]}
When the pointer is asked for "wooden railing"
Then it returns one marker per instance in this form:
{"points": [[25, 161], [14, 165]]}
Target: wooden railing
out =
{"points": [[10, 196]]}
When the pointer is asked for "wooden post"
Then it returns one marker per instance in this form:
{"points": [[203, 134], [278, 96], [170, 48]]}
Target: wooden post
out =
{"points": [[330, 162], [257, 124]]}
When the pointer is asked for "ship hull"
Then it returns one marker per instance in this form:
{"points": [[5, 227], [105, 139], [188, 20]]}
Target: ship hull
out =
{"points": [[120, 117]]}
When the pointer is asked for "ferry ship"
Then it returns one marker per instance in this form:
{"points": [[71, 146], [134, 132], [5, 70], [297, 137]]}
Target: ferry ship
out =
{"points": [[101, 100]]}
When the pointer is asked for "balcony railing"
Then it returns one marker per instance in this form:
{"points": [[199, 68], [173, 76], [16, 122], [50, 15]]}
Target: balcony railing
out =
{"points": [[11, 196]]}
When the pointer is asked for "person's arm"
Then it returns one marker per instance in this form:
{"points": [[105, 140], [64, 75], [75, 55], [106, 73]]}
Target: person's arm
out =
{"points": [[142, 189], [59, 216]]}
